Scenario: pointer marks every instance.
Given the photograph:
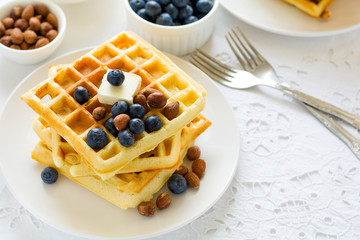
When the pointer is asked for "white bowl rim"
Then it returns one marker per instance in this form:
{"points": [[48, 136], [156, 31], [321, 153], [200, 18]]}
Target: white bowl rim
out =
{"points": [[173, 28], [51, 5]]}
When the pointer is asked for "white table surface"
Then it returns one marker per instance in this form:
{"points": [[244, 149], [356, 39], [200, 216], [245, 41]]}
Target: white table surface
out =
{"points": [[295, 179]]}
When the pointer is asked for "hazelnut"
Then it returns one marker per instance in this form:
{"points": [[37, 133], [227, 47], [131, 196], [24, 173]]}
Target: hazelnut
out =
{"points": [[15, 12], [41, 9], [141, 99], [163, 201], [34, 24], [2, 29], [17, 47], [24, 46], [6, 40], [193, 152], [41, 42], [8, 22], [17, 37], [45, 27], [121, 121], [157, 100], [52, 20], [28, 12], [171, 110], [198, 167], [22, 24], [99, 113], [192, 180], [30, 36], [146, 208], [32, 46], [8, 31], [51, 35], [147, 91], [182, 170]]}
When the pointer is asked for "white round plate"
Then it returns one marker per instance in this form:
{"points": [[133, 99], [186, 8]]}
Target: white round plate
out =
{"points": [[72, 208], [280, 17]]}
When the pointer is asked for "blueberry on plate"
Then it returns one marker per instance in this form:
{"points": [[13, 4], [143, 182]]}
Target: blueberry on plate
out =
{"points": [[136, 5], [153, 8], [185, 12], [204, 6], [119, 107], [177, 183], [136, 126], [115, 77], [164, 19], [136, 111], [126, 138], [180, 3], [110, 126], [190, 19], [153, 123], [172, 10], [96, 138], [81, 95], [49, 175]]}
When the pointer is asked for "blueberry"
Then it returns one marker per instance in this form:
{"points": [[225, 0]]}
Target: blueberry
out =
{"points": [[136, 5], [81, 95], [204, 6], [136, 111], [177, 184], [96, 138], [142, 13], [49, 175], [153, 123], [136, 126], [126, 138], [152, 8], [164, 2], [110, 126], [185, 12], [172, 10], [180, 3], [190, 19], [164, 19], [115, 77], [119, 107]]}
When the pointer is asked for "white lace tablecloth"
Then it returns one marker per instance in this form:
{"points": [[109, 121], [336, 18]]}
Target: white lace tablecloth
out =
{"points": [[295, 179]]}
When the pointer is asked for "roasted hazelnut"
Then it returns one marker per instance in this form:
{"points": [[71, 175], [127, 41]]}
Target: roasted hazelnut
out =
{"points": [[8, 22], [34, 24], [30, 36], [24, 46], [15, 12], [51, 35], [146, 208], [41, 9], [17, 36], [171, 110], [22, 24], [41, 42], [193, 152], [121, 121], [182, 170], [147, 91], [192, 180], [45, 27], [28, 12], [8, 31], [52, 20], [17, 47], [141, 99], [99, 112], [163, 201], [6, 40], [198, 167], [157, 100], [2, 29]]}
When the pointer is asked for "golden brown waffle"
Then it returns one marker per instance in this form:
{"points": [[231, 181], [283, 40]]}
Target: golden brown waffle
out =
{"points": [[315, 8], [127, 189], [52, 99]]}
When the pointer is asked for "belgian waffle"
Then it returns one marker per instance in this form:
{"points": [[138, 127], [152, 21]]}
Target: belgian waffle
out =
{"points": [[315, 8], [52, 99], [125, 190]]}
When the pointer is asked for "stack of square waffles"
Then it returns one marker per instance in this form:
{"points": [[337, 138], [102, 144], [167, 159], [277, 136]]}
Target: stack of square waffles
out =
{"points": [[125, 176]]}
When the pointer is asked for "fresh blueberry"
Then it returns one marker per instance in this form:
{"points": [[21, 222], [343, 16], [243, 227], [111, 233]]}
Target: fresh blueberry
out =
{"points": [[136, 126], [172, 10], [190, 19], [153, 8], [204, 6], [136, 5], [185, 12], [119, 107], [96, 138], [142, 13], [136, 111], [115, 77], [200, 15], [177, 184], [110, 126], [49, 175], [81, 95], [126, 138], [164, 2], [180, 3], [164, 19], [153, 123]]}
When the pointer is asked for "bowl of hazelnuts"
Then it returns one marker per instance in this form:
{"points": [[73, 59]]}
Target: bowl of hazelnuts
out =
{"points": [[30, 31]]}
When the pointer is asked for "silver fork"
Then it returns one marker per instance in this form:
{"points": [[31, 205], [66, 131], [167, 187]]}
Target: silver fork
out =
{"points": [[257, 71]]}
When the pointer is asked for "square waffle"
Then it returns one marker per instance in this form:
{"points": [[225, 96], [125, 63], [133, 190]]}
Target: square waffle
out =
{"points": [[125, 190], [52, 99], [315, 8]]}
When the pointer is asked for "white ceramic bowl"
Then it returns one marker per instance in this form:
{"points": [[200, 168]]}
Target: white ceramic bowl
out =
{"points": [[177, 40], [39, 54]]}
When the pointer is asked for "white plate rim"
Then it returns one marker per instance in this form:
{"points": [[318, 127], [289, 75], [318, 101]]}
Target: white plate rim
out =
{"points": [[235, 140]]}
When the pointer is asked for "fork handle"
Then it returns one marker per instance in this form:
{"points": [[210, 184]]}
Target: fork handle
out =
{"points": [[350, 118]]}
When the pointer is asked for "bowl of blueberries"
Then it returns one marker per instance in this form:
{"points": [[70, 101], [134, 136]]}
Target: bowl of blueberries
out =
{"points": [[174, 26]]}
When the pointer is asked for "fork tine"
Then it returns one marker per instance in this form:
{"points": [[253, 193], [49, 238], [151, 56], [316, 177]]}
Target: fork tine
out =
{"points": [[207, 68], [215, 61], [251, 46], [213, 65], [241, 61], [253, 61]]}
